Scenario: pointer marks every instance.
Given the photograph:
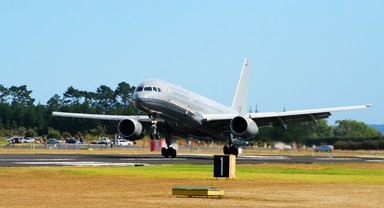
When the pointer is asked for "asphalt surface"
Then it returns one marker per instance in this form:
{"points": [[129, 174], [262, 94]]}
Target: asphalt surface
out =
{"points": [[28, 160]]}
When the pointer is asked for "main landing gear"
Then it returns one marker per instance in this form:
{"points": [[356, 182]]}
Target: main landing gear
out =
{"points": [[165, 152], [231, 149], [168, 152]]}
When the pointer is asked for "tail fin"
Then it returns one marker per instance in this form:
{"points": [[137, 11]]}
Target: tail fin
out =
{"points": [[239, 102]]}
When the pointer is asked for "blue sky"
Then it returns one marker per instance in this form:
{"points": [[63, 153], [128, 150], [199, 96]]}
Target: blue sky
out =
{"points": [[304, 54]]}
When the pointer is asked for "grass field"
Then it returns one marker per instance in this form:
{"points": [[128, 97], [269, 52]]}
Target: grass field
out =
{"points": [[266, 185]]}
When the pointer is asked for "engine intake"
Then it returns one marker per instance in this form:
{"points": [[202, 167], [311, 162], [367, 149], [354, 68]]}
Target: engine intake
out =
{"points": [[131, 129], [244, 127]]}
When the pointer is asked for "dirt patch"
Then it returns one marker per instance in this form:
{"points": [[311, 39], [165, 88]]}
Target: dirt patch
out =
{"points": [[47, 187]]}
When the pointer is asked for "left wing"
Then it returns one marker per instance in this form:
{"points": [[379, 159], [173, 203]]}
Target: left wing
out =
{"points": [[139, 118], [281, 118]]}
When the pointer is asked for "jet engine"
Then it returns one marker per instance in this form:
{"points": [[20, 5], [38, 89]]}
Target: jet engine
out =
{"points": [[131, 129], [244, 127]]}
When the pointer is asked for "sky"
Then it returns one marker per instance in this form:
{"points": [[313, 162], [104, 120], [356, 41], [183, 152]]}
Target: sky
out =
{"points": [[303, 54]]}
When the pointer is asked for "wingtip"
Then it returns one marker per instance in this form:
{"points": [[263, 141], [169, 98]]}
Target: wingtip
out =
{"points": [[369, 105], [246, 62]]}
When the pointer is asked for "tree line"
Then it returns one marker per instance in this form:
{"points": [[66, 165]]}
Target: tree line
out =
{"points": [[346, 134], [19, 115]]}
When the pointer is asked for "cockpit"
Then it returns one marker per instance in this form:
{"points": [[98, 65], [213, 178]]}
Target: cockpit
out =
{"points": [[148, 89]]}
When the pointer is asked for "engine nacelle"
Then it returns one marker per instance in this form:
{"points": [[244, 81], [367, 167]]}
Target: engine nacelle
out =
{"points": [[244, 127], [131, 129]]}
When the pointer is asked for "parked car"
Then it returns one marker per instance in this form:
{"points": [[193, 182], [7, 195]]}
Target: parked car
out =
{"points": [[14, 140], [104, 140], [282, 146], [28, 140], [53, 141], [72, 141], [124, 142], [240, 143], [324, 148]]}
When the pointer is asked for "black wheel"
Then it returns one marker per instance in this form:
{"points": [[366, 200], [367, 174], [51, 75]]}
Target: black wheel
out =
{"points": [[172, 152], [234, 151], [226, 150], [164, 152]]}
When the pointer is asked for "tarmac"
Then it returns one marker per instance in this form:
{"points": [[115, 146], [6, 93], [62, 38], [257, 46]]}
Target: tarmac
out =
{"points": [[36, 160]]}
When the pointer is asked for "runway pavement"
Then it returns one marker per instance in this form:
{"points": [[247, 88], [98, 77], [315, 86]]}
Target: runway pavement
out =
{"points": [[27, 160]]}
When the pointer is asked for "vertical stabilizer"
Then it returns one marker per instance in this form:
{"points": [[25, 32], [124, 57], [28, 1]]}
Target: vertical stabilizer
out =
{"points": [[239, 102]]}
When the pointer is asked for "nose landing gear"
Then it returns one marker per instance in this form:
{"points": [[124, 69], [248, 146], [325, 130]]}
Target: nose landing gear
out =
{"points": [[155, 134]]}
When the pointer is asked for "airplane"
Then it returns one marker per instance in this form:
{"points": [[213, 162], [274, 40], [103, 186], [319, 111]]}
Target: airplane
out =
{"points": [[176, 111]]}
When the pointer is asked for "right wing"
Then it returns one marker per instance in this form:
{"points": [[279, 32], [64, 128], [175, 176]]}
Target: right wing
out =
{"points": [[280, 118], [140, 118]]}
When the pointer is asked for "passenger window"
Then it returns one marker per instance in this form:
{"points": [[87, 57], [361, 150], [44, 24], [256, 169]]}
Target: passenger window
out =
{"points": [[147, 88]]}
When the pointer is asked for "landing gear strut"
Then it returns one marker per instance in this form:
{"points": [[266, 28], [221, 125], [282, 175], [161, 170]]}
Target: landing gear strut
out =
{"points": [[155, 134], [165, 152], [169, 151], [231, 149]]}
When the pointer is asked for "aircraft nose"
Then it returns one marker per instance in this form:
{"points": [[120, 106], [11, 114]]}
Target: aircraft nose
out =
{"points": [[135, 97], [138, 101], [138, 96]]}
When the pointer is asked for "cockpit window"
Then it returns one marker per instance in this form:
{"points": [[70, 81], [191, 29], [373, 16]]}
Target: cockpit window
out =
{"points": [[139, 89], [147, 89]]}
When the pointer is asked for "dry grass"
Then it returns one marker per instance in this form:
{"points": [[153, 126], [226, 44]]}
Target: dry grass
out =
{"points": [[267, 185], [130, 187]]}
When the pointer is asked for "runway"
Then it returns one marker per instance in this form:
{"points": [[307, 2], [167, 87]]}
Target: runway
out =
{"points": [[31, 160]]}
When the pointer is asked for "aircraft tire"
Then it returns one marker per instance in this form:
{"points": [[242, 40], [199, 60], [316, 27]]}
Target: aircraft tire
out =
{"points": [[164, 152], [172, 152], [234, 151], [226, 150]]}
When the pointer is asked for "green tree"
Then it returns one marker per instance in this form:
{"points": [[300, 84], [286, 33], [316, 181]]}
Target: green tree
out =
{"points": [[31, 133], [52, 133], [4, 93], [321, 130], [19, 131], [71, 96], [105, 98], [21, 96], [354, 129], [66, 135], [123, 93], [54, 103]]}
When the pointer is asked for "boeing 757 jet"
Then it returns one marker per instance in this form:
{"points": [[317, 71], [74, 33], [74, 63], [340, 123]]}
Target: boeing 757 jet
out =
{"points": [[175, 111]]}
